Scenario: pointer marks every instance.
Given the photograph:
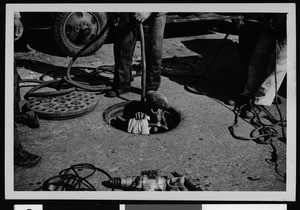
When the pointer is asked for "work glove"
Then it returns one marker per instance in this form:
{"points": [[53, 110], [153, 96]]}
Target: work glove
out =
{"points": [[139, 124]]}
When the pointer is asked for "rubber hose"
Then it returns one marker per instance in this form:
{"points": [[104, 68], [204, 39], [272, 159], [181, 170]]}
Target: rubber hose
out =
{"points": [[68, 78], [143, 55], [31, 92]]}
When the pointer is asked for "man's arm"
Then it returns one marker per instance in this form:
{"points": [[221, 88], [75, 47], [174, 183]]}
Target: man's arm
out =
{"points": [[142, 16]]}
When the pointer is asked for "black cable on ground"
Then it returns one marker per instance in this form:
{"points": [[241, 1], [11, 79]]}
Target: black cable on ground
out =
{"points": [[274, 161], [262, 132], [276, 98], [70, 180]]}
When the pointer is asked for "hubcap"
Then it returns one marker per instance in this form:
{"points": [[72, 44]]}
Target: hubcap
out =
{"points": [[80, 28]]}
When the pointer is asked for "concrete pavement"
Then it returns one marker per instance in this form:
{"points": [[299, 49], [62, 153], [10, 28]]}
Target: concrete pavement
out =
{"points": [[201, 147]]}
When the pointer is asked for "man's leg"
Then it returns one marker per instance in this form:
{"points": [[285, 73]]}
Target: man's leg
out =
{"points": [[23, 158], [259, 63], [249, 34], [257, 70], [17, 97], [278, 67], [28, 118], [154, 42], [123, 51]]}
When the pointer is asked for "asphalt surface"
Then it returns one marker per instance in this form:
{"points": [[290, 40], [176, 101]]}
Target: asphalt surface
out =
{"points": [[200, 147]]}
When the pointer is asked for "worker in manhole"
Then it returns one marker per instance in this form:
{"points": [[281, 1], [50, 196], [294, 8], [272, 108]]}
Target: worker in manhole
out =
{"points": [[22, 158], [124, 46], [144, 118]]}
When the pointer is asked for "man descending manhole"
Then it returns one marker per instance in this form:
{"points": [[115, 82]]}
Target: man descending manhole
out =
{"points": [[153, 116]]}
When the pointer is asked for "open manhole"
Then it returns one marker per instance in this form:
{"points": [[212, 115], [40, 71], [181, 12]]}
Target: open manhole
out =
{"points": [[119, 115]]}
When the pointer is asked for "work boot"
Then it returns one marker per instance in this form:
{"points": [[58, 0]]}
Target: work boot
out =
{"points": [[117, 92], [246, 112], [28, 118], [25, 159], [238, 101]]}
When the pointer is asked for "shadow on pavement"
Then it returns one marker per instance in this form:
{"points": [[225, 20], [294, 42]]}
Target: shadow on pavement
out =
{"points": [[225, 74], [224, 79]]}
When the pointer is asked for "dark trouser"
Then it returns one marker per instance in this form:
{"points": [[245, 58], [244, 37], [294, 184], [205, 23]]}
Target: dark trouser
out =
{"points": [[249, 34], [124, 47], [17, 98]]}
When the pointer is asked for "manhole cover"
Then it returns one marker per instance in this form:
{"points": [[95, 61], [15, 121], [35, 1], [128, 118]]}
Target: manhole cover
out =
{"points": [[116, 114], [66, 106]]}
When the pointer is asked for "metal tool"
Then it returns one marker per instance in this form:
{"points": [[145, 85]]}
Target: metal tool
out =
{"points": [[160, 120], [147, 181]]}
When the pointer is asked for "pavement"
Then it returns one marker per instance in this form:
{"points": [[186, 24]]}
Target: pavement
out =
{"points": [[200, 147]]}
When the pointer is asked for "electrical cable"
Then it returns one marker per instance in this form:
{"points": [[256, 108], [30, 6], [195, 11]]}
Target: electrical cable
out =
{"points": [[276, 97], [265, 131], [70, 180]]}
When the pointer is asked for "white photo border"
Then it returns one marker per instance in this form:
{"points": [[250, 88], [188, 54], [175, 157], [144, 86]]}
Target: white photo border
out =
{"points": [[288, 195]]}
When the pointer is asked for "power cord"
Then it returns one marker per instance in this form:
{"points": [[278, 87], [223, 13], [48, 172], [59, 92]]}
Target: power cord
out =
{"points": [[70, 180]]}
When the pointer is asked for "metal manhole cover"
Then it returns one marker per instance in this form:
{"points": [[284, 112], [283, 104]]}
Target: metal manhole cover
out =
{"points": [[66, 106]]}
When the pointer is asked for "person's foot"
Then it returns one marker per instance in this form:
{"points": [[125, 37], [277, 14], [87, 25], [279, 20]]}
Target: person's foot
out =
{"points": [[28, 118], [25, 159], [238, 101], [246, 112], [117, 92]]}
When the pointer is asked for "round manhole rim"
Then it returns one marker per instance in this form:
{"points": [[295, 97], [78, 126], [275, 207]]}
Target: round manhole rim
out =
{"points": [[121, 106]]}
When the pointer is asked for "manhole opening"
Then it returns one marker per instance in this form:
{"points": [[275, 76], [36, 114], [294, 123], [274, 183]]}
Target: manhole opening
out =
{"points": [[119, 114]]}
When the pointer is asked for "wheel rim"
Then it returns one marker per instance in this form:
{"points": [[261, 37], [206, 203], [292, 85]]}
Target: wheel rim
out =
{"points": [[80, 28]]}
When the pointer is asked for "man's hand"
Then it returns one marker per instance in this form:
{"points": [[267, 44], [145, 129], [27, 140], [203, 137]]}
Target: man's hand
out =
{"points": [[142, 16], [140, 116], [18, 27]]}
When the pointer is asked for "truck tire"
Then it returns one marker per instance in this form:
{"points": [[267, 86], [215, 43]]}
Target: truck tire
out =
{"points": [[73, 30]]}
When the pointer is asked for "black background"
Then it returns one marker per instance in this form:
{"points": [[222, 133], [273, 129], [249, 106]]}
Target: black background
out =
{"points": [[104, 204]]}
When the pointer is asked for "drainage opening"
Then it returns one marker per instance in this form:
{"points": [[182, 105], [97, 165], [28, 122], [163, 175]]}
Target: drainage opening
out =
{"points": [[119, 115]]}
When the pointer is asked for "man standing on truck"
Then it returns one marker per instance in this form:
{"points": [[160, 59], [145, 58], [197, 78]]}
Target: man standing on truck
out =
{"points": [[124, 45]]}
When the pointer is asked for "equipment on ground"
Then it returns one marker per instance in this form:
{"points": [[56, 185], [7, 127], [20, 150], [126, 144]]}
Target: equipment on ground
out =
{"points": [[151, 181]]}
